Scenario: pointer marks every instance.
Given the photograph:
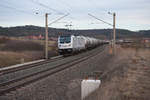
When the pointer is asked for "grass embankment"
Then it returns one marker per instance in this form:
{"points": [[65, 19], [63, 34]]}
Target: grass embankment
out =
{"points": [[8, 58], [128, 76], [13, 51], [135, 84]]}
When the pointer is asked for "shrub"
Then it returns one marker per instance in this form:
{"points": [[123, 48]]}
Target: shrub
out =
{"points": [[4, 39], [18, 45]]}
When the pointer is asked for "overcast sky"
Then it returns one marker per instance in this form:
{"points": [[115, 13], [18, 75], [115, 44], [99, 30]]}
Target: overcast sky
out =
{"points": [[130, 14]]}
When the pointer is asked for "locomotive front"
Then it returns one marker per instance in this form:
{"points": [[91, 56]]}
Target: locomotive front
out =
{"points": [[64, 44]]}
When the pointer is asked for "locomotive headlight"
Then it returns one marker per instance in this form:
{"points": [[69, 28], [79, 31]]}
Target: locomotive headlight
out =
{"points": [[59, 45], [69, 45]]}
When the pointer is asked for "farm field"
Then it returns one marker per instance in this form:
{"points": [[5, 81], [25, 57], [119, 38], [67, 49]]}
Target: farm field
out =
{"points": [[15, 51]]}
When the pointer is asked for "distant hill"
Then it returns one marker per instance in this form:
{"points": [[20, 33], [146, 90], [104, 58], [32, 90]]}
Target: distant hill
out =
{"points": [[53, 32]]}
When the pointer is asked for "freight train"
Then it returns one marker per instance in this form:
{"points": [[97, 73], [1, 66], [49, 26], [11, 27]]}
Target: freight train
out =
{"points": [[68, 44]]}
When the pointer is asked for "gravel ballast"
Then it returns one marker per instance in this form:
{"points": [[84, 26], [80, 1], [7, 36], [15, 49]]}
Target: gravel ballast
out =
{"points": [[64, 85]]}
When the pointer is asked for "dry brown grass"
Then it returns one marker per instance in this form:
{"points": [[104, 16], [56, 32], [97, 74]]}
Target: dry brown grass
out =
{"points": [[12, 51], [136, 45], [8, 58], [135, 84], [18, 45], [131, 80]]}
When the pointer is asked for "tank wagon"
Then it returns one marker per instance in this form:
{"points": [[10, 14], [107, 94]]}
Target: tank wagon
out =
{"points": [[70, 43]]}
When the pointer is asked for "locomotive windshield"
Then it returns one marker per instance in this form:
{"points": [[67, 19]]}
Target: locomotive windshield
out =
{"points": [[65, 39]]}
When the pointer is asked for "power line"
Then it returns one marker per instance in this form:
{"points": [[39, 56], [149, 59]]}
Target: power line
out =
{"points": [[45, 6], [58, 19], [18, 10], [64, 3], [100, 20]]}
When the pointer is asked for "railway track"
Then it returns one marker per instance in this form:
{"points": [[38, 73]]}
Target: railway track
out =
{"points": [[11, 70], [13, 84]]}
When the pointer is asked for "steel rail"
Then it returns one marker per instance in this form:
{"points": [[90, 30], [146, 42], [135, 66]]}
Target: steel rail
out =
{"points": [[11, 70], [13, 84]]}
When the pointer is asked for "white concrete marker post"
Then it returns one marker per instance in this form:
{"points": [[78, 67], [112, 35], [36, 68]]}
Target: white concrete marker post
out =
{"points": [[88, 86]]}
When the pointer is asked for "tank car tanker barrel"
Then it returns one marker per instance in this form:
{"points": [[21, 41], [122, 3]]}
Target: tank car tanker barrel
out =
{"points": [[68, 44]]}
